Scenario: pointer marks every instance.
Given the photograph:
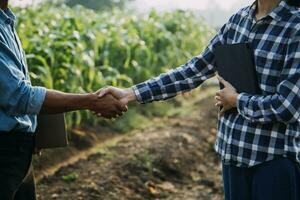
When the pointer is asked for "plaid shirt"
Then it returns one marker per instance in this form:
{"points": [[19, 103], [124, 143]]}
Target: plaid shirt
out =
{"points": [[266, 126]]}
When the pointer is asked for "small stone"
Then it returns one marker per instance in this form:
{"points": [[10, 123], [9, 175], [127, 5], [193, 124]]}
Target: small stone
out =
{"points": [[54, 196]]}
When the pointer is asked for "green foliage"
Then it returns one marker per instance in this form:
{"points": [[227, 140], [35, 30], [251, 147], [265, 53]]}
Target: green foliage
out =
{"points": [[145, 160], [78, 50], [98, 4], [70, 177]]}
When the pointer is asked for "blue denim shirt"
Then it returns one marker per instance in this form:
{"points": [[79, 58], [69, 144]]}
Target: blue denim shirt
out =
{"points": [[20, 102]]}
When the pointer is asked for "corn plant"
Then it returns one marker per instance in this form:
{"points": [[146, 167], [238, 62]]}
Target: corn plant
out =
{"points": [[79, 50]]}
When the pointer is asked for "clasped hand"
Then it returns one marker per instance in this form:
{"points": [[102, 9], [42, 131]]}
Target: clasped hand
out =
{"points": [[227, 97], [112, 102]]}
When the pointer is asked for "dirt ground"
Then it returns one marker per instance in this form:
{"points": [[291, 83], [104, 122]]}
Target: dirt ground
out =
{"points": [[172, 160]]}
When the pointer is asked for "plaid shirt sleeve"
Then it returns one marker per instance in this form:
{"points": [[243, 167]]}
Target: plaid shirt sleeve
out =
{"points": [[184, 78], [284, 105]]}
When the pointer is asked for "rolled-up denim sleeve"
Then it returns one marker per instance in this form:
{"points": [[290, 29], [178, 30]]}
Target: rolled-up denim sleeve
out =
{"points": [[36, 99], [18, 96]]}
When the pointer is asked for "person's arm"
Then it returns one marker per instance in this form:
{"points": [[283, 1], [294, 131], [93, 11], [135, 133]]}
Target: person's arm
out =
{"points": [[184, 78], [19, 97], [284, 105], [181, 79], [59, 102]]}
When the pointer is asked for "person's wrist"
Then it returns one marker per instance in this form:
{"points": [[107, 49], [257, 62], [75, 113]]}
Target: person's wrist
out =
{"points": [[130, 95], [90, 100], [234, 100]]}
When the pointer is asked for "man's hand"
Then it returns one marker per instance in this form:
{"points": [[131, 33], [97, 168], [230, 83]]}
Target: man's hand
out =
{"points": [[107, 106], [125, 96], [227, 97], [59, 102]]}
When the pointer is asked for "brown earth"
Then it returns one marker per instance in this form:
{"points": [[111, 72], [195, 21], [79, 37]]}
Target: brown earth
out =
{"points": [[173, 160]]}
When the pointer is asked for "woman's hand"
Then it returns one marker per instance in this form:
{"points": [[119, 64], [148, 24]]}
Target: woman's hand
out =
{"points": [[124, 95], [227, 97]]}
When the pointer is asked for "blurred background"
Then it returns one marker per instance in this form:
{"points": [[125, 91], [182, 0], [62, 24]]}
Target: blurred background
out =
{"points": [[163, 150], [83, 45], [214, 11]]}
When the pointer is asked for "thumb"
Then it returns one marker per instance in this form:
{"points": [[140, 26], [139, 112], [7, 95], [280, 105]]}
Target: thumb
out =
{"points": [[221, 80], [103, 92], [124, 101], [225, 83], [222, 112]]}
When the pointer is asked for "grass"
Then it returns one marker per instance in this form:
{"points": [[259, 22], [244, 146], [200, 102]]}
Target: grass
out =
{"points": [[70, 177]]}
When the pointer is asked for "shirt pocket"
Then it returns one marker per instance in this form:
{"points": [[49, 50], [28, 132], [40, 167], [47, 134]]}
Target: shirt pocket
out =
{"points": [[268, 66]]}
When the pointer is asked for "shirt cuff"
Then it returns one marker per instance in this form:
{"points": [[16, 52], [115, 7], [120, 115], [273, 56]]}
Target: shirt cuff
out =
{"points": [[137, 93], [143, 93], [242, 101], [36, 101]]}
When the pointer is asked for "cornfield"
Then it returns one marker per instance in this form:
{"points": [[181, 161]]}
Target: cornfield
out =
{"points": [[79, 50]]}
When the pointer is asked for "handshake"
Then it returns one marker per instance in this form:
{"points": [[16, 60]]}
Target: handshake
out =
{"points": [[112, 102]]}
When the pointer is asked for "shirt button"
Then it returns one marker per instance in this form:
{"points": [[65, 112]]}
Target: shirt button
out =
{"points": [[8, 21]]}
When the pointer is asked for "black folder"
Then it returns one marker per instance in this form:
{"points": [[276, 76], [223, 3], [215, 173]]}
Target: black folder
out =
{"points": [[235, 63], [51, 132]]}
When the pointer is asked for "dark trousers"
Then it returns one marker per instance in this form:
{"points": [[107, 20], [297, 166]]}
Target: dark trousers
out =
{"points": [[274, 180], [16, 174]]}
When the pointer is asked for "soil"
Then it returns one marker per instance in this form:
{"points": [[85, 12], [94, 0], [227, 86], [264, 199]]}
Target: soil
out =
{"points": [[172, 160]]}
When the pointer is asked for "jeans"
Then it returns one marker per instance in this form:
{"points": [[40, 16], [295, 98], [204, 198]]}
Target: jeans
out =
{"points": [[16, 173], [275, 180]]}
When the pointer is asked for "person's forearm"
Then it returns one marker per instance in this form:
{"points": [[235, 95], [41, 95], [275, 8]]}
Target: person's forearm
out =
{"points": [[270, 108], [59, 102], [130, 95]]}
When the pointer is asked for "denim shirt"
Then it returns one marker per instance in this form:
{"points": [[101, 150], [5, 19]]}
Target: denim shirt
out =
{"points": [[20, 102]]}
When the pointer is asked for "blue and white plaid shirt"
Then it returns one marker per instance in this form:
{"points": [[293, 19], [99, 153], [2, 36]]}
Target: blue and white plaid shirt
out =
{"points": [[266, 126]]}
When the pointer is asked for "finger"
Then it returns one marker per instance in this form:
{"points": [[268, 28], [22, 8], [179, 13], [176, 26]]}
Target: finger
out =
{"points": [[118, 116], [121, 107], [218, 94], [107, 116], [220, 79], [118, 113], [225, 108], [98, 91], [218, 98], [95, 113], [222, 112], [219, 104], [114, 113], [104, 91], [225, 83]]}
